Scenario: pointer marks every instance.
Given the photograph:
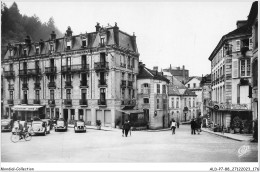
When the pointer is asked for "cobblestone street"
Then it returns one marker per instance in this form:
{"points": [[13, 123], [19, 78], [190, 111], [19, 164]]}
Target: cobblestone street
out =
{"points": [[141, 146]]}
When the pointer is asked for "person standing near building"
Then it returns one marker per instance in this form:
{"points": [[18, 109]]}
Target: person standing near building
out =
{"points": [[126, 127], [173, 126], [193, 126]]}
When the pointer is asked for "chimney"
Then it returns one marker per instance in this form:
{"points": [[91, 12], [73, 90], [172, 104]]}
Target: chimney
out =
{"points": [[241, 23], [53, 35], [133, 38], [116, 34], [97, 27], [27, 40], [69, 32], [155, 68], [170, 67]]}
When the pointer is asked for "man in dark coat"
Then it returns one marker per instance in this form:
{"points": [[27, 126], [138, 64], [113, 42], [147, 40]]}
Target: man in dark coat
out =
{"points": [[193, 126], [126, 127]]}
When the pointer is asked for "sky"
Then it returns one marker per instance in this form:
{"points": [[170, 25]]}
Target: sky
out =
{"points": [[167, 32]]}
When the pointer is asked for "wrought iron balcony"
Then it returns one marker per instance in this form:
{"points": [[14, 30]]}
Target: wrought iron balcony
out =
{"points": [[83, 102], [68, 102], [128, 102], [102, 102], [68, 84], [9, 74], [52, 85], [37, 85], [83, 84], [129, 67], [10, 101], [75, 68], [100, 66], [36, 101], [24, 101], [123, 83], [102, 83], [50, 70], [51, 102], [10, 86], [130, 84], [30, 72], [25, 86]]}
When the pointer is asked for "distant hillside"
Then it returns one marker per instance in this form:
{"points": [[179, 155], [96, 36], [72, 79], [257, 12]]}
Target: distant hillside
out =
{"points": [[15, 27]]}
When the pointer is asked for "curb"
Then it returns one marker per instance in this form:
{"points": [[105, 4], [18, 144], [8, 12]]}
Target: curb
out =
{"points": [[220, 135]]}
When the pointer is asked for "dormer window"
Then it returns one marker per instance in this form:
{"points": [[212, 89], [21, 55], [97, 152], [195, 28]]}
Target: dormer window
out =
{"points": [[37, 50], [11, 52], [102, 41], [84, 42], [238, 45], [68, 45], [51, 47]]}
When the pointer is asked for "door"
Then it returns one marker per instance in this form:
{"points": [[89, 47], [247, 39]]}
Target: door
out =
{"points": [[88, 117], [107, 118], [65, 114]]}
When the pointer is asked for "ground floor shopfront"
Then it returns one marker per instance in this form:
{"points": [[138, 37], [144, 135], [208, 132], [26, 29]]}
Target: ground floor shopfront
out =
{"points": [[225, 118]]}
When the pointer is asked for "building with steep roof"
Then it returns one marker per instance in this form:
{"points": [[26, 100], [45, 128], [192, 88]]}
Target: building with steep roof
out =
{"points": [[152, 97], [231, 76], [90, 76], [179, 73]]}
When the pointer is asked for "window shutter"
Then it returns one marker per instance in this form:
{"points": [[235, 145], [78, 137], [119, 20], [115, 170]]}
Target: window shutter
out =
{"points": [[235, 68], [237, 45], [250, 43]]}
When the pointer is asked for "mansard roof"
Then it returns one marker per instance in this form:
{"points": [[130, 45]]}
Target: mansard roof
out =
{"points": [[113, 36], [145, 73]]}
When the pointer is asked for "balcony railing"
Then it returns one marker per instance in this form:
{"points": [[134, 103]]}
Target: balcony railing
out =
{"points": [[129, 67], [25, 86], [128, 102], [102, 102], [50, 70], [122, 65], [68, 102], [123, 83], [102, 83], [51, 102], [9, 74], [10, 86], [36, 101], [83, 84], [24, 101], [68, 84], [52, 85], [75, 68], [29, 72], [83, 102], [101, 66], [10, 101], [130, 84], [37, 85]]}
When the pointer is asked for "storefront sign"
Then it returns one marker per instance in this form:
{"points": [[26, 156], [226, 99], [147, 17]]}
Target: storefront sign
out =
{"points": [[26, 108]]}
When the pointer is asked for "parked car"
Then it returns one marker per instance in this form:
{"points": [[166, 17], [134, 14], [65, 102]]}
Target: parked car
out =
{"points": [[40, 127], [79, 126], [6, 124], [61, 125]]}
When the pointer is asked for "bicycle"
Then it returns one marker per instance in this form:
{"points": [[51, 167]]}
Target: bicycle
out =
{"points": [[15, 137]]}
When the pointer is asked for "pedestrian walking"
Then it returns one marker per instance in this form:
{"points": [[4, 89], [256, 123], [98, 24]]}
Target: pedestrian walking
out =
{"points": [[193, 126], [123, 130], [198, 126], [173, 126], [126, 127], [178, 124]]}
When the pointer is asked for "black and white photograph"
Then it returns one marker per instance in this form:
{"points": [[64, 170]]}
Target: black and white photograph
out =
{"points": [[129, 85]]}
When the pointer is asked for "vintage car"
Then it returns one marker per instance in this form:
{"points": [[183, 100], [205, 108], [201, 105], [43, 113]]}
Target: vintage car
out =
{"points": [[6, 124], [79, 126], [40, 127], [61, 125]]}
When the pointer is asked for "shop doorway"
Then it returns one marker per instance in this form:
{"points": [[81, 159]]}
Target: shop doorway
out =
{"points": [[65, 114]]}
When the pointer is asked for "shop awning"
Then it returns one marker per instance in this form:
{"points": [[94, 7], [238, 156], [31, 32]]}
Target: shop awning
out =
{"points": [[132, 111], [26, 108]]}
